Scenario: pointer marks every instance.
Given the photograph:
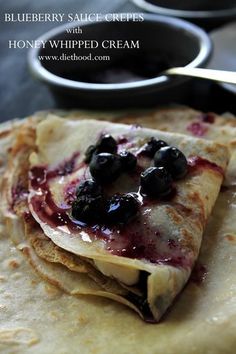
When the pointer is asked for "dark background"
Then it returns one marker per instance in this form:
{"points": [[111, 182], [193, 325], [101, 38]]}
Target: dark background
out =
{"points": [[21, 95]]}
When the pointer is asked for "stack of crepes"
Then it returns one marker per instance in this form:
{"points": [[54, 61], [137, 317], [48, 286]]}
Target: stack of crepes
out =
{"points": [[44, 164]]}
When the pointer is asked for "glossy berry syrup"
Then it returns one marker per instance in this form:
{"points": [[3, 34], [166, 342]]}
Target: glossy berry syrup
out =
{"points": [[197, 162], [43, 203], [208, 117], [137, 239], [198, 129], [199, 274]]}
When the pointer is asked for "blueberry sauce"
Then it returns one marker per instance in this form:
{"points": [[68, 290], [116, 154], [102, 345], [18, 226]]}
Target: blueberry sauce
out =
{"points": [[125, 144], [27, 216], [208, 117], [64, 168], [19, 192], [142, 241], [197, 129], [122, 140], [199, 274], [197, 162], [70, 191], [43, 202], [137, 239]]}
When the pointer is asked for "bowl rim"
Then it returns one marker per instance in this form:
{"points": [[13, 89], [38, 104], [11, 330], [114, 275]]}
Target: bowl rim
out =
{"points": [[39, 71], [216, 37], [187, 14]]}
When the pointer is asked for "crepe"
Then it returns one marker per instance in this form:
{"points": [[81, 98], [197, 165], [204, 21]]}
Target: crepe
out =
{"points": [[202, 318], [147, 283]]}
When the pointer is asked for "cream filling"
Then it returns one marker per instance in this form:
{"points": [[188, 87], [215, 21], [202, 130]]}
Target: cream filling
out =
{"points": [[128, 276]]}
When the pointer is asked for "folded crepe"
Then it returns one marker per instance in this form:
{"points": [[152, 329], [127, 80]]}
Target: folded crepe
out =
{"points": [[36, 317], [143, 264]]}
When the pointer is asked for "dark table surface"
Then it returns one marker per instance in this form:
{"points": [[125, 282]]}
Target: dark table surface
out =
{"points": [[21, 95]]}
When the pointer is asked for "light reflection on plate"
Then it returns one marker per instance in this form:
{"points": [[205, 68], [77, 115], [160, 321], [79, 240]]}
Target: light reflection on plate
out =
{"points": [[224, 53]]}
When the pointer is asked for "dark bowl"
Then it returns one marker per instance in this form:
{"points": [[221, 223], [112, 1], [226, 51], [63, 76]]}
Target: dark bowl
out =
{"points": [[206, 13], [223, 58], [75, 83]]}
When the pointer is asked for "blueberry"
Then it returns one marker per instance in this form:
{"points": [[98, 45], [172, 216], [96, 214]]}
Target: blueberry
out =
{"points": [[87, 209], [128, 160], [152, 146], [89, 153], [106, 144], [121, 208], [88, 187], [173, 160], [156, 182], [105, 167]]}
